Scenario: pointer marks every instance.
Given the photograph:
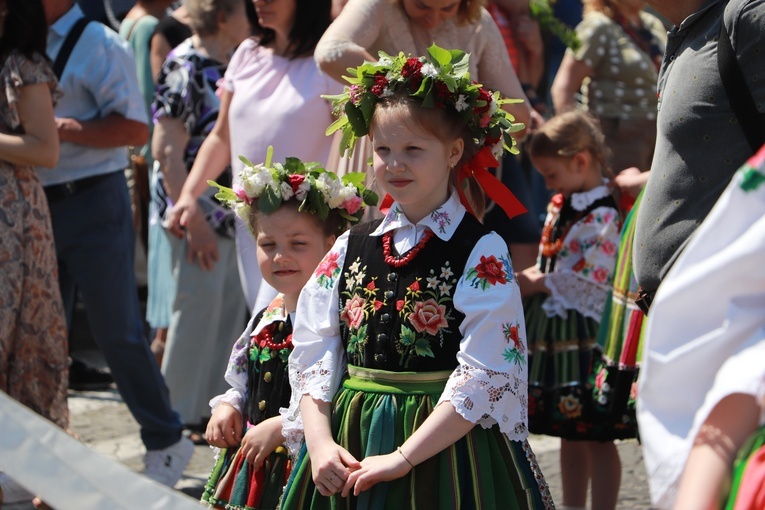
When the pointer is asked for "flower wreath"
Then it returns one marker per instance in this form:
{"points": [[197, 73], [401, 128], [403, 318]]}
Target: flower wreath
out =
{"points": [[318, 190], [440, 81]]}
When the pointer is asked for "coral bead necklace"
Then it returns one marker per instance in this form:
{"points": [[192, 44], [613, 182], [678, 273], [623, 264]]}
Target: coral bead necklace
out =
{"points": [[387, 240], [266, 339]]}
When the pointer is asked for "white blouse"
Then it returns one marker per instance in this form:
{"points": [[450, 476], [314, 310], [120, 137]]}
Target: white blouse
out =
{"points": [[489, 383], [584, 267]]}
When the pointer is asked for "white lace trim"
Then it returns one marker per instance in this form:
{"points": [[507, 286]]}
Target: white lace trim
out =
{"points": [[486, 398], [232, 397], [315, 381], [569, 291]]}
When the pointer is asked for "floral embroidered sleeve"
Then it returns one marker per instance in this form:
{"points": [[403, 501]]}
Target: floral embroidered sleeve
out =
{"points": [[489, 385], [317, 361], [584, 270], [236, 371]]}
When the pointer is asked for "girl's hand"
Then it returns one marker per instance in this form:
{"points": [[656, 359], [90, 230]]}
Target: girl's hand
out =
{"points": [[224, 429], [531, 281], [261, 440], [379, 468], [331, 464]]}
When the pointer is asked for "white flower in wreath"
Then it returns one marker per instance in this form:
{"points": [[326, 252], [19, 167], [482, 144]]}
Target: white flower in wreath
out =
{"points": [[429, 70], [461, 104], [286, 190], [497, 150], [303, 190]]}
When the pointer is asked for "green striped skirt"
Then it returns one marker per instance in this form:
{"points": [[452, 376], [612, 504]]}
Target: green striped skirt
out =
{"points": [[375, 411], [748, 485]]}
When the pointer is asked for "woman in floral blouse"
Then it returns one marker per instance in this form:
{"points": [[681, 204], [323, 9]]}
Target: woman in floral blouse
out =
{"points": [[567, 293]]}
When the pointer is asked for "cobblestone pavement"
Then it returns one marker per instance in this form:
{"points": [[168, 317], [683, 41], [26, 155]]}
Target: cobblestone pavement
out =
{"points": [[103, 422]]}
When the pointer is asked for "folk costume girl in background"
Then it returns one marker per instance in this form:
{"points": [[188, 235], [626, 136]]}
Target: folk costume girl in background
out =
{"points": [[566, 293]]}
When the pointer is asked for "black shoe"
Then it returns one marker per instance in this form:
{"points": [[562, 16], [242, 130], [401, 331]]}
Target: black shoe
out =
{"points": [[85, 378]]}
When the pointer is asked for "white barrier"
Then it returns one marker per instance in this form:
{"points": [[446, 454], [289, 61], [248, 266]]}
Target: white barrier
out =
{"points": [[67, 474]]}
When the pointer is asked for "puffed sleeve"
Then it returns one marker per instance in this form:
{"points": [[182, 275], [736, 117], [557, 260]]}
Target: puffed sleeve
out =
{"points": [[356, 28], [584, 269], [236, 370], [317, 361], [17, 72], [489, 385]]}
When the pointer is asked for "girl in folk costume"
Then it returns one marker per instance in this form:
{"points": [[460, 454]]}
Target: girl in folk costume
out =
{"points": [[409, 360], [565, 295], [295, 212]]}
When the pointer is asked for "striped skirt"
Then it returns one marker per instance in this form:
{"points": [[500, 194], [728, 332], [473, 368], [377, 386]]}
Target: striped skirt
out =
{"points": [[375, 411], [234, 485], [748, 485]]}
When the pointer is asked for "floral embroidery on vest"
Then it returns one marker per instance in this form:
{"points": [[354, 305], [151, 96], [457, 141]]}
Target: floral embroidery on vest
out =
{"points": [[428, 311], [360, 304]]}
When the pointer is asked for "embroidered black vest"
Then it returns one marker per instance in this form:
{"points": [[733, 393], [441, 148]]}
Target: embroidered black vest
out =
{"points": [[403, 319], [268, 385]]}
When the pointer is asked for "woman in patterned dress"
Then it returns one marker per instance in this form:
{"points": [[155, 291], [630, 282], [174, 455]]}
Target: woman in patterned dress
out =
{"points": [[33, 341]]}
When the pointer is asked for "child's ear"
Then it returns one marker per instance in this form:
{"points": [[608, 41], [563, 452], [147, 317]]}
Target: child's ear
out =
{"points": [[581, 161], [455, 151], [329, 242]]}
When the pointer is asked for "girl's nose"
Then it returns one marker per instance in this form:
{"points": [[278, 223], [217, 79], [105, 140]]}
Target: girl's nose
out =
{"points": [[395, 165]]}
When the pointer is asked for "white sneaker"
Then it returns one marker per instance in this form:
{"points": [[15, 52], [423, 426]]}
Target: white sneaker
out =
{"points": [[12, 492], [166, 465]]}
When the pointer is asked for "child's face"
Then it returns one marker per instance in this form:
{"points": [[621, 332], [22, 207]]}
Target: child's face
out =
{"points": [[411, 165], [290, 246], [563, 175]]}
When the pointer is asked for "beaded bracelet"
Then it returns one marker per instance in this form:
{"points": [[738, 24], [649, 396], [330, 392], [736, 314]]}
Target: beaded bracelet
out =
{"points": [[398, 448]]}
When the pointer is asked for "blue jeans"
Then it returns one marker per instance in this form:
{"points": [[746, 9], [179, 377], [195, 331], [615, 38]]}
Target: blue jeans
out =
{"points": [[93, 231]]}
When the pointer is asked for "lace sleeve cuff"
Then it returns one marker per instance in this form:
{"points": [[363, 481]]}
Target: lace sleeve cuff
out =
{"points": [[232, 397], [486, 398], [568, 291], [320, 381]]}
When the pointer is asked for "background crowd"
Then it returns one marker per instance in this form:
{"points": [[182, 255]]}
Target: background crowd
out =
{"points": [[638, 114]]}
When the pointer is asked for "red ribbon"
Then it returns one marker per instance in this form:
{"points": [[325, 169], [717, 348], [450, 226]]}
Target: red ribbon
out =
{"points": [[493, 187]]}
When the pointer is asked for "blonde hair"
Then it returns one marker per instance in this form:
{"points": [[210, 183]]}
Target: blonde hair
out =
{"points": [[568, 134], [203, 14], [446, 125], [468, 12]]}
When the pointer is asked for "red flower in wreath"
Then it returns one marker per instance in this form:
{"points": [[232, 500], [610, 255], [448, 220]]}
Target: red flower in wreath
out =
{"points": [[483, 95], [491, 270], [379, 84], [295, 181], [428, 316]]}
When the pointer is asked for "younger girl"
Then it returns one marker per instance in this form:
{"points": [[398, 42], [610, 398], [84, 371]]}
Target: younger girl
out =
{"points": [[409, 364], [568, 291], [295, 212]]}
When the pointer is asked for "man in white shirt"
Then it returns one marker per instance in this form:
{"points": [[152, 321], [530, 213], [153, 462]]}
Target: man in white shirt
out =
{"points": [[101, 112]]}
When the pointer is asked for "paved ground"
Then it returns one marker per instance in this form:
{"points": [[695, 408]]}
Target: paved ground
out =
{"points": [[103, 422]]}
